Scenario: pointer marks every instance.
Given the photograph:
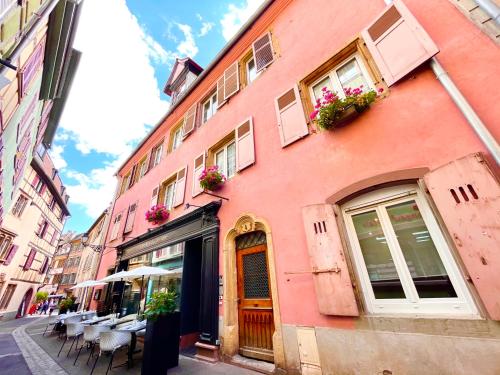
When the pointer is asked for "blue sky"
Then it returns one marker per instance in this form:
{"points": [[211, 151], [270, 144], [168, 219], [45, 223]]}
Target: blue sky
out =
{"points": [[129, 47]]}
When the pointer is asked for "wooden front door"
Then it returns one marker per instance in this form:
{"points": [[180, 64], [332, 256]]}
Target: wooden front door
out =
{"points": [[255, 307]]}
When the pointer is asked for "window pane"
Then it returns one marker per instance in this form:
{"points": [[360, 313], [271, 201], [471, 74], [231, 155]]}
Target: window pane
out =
{"points": [[219, 161], [325, 82], [423, 261], [350, 76], [252, 72], [169, 196], [231, 160], [206, 111], [214, 104], [383, 275]]}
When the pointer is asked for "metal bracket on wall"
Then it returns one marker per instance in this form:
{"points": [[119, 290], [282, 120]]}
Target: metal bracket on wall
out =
{"points": [[335, 269], [214, 195]]}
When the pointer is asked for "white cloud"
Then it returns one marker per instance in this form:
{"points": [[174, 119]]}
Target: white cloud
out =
{"points": [[236, 16], [205, 28], [188, 46], [57, 157], [93, 191], [114, 99], [115, 94]]}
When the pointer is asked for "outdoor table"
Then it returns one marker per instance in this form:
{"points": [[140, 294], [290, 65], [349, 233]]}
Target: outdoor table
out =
{"points": [[90, 322], [133, 328]]}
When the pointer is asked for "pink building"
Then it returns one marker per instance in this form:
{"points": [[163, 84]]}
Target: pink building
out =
{"points": [[369, 248]]}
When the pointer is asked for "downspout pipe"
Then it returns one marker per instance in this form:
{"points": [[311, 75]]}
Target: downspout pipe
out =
{"points": [[492, 9], [474, 121]]}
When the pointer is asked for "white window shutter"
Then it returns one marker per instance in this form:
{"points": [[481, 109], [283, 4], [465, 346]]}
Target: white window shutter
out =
{"points": [[263, 52], [199, 166], [231, 80], [154, 196], [332, 282], [466, 193], [189, 121], [292, 124], [245, 148], [397, 42], [129, 223], [180, 187]]}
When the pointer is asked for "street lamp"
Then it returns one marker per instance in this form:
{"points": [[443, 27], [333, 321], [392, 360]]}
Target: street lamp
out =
{"points": [[85, 242]]}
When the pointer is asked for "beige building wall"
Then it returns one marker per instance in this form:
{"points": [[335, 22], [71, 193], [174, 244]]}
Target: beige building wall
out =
{"points": [[25, 228]]}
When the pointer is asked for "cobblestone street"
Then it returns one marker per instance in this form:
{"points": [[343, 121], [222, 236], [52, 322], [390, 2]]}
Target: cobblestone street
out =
{"points": [[24, 351]]}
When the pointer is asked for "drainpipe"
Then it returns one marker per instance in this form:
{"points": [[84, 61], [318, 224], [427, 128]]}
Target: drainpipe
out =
{"points": [[492, 9], [474, 121]]}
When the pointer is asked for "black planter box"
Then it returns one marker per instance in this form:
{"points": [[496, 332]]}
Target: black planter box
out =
{"points": [[161, 345]]}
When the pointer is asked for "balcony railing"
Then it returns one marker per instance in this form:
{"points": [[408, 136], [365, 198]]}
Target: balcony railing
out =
{"points": [[5, 6]]}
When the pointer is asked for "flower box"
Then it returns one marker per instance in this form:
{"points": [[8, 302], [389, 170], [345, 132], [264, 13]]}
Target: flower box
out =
{"points": [[333, 112], [157, 214], [211, 179]]}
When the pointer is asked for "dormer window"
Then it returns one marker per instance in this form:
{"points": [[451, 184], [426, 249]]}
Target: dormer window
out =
{"points": [[184, 72]]}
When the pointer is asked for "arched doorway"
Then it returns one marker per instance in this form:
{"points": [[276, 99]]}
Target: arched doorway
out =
{"points": [[232, 339], [25, 303]]}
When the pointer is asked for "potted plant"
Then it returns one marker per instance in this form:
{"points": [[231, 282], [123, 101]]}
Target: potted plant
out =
{"points": [[161, 342], [41, 296], [211, 178], [157, 214], [65, 305], [331, 111]]}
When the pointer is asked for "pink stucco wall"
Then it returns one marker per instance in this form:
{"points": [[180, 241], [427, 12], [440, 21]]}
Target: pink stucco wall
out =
{"points": [[416, 125]]}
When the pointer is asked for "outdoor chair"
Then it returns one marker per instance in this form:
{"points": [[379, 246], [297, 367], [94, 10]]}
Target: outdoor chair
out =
{"points": [[89, 315], [51, 322], [91, 336], [74, 331], [109, 342]]}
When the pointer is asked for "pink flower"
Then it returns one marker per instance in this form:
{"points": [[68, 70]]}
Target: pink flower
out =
{"points": [[313, 115], [380, 90]]}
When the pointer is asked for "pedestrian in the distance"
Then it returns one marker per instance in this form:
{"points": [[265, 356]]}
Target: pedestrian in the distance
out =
{"points": [[45, 307], [52, 306]]}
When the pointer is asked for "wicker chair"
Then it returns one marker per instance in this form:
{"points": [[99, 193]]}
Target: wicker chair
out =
{"points": [[91, 336], [110, 342], [74, 331]]}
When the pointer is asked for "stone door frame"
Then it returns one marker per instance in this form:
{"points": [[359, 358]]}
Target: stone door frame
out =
{"points": [[230, 336]]}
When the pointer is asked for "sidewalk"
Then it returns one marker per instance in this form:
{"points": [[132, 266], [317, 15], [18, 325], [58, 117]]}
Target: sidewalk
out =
{"points": [[39, 354]]}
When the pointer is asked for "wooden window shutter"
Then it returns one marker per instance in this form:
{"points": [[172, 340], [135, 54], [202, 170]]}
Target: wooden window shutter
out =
{"points": [[220, 91], [245, 148], [10, 256], [397, 42], [180, 187], [29, 260], [132, 174], [263, 52], [31, 67], [292, 124], [189, 121], [231, 80], [129, 223], [199, 166], [466, 193], [332, 282], [154, 196]]}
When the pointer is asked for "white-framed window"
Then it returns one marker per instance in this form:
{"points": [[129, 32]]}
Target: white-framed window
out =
{"points": [[225, 159], [177, 138], [156, 155], [251, 70], [209, 107], [169, 195], [351, 73], [143, 168], [402, 259]]}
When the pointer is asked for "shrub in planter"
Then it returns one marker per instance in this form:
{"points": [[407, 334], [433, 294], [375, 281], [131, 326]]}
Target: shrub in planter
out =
{"points": [[65, 305], [41, 296], [211, 178], [157, 214], [161, 342], [331, 111]]}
